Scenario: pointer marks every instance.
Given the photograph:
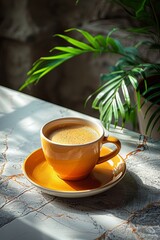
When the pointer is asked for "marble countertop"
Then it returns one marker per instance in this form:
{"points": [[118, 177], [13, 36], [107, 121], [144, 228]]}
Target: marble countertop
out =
{"points": [[129, 210]]}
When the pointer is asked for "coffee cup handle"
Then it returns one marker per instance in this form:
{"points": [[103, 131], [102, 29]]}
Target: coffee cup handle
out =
{"points": [[110, 155]]}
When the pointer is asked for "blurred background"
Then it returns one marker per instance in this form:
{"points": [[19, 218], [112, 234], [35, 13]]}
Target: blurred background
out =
{"points": [[26, 33]]}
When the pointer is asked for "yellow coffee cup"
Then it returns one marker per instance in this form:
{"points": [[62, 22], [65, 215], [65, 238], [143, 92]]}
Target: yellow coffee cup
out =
{"points": [[72, 146]]}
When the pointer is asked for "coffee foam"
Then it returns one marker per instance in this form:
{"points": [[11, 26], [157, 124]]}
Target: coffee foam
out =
{"points": [[76, 134]]}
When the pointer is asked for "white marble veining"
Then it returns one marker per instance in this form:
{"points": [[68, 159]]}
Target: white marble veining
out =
{"points": [[129, 210]]}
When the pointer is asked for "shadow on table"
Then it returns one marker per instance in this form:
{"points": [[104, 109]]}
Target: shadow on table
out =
{"points": [[116, 197], [128, 207], [129, 194]]}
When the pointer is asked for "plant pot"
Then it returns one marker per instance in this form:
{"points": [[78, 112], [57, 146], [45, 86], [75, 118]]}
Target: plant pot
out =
{"points": [[142, 119]]}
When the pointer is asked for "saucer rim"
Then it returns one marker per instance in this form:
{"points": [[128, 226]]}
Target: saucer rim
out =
{"points": [[73, 194]]}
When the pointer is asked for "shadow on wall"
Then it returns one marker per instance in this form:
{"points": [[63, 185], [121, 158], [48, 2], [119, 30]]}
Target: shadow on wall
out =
{"points": [[26, 33]]}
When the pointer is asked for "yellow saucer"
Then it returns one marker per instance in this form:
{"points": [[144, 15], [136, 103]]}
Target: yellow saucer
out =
{"points": [[103, 176]]}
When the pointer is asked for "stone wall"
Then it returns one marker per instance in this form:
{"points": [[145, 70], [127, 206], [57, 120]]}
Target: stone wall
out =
{"points": [[26, 33]]}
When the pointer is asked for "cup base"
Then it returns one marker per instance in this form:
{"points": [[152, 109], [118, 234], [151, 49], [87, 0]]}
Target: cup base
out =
{"points": [[73, 178]]}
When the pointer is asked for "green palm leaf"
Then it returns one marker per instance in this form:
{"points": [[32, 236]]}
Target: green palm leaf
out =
{"points": [[76, 43], [107, 89], [72, 50], [92, 40], [36, 75], [112, 98], [104, 109], [126, 93], [115, 112], [120, 106]]}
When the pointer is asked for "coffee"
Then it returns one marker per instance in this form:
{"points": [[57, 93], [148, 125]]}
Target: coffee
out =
{"points": [[72, 146], [74, 134]]}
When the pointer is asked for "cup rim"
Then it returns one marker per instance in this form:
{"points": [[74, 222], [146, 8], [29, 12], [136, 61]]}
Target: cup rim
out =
{"points": [[98, 125]]}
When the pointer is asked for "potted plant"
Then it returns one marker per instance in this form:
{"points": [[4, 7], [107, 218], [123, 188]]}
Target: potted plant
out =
{"points": [[132, 70]]}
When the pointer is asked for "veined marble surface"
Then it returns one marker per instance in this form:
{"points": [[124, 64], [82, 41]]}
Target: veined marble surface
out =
{"points": [[129, 210]]}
